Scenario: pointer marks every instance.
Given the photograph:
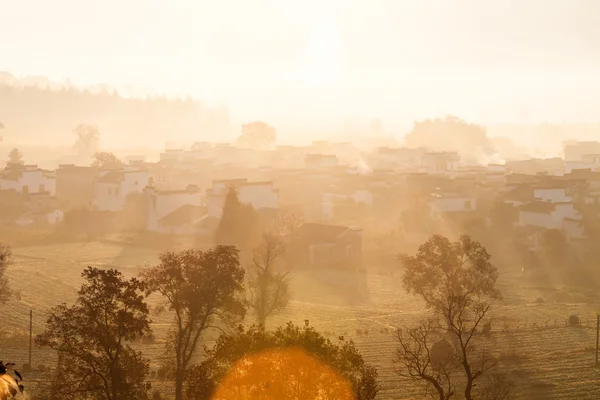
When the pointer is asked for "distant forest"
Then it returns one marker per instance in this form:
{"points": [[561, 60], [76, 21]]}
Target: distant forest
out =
{"points": [[34, 109]]}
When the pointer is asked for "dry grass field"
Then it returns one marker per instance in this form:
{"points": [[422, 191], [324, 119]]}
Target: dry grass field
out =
{"points": [[547, 359]]}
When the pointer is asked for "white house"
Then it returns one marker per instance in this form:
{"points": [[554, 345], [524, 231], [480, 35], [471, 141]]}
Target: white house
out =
{"points": [[439, 162], [113, 187], [28, 179], [551, 194], [442, 203], [550, 215], [162, 203], [260, 195]]}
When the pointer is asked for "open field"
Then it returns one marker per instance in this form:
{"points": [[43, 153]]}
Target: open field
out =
{"points": [[552, 361]]}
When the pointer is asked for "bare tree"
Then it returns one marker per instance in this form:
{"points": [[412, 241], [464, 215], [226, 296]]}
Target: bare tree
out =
{"points": [[268, 288], [457, 281], [416, 361]]}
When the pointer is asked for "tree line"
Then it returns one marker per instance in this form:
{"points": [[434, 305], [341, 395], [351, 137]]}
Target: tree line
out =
{"points": [[204, 291]]}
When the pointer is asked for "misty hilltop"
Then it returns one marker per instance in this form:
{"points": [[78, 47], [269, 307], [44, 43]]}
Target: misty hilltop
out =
{"points": [[33, 108]]}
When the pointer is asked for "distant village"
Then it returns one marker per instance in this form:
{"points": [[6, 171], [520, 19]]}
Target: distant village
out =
{"points": [[345, 198]]}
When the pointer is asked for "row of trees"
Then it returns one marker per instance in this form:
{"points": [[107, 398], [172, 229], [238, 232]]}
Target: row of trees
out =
{"points": [[209, 290], [202, 291]]}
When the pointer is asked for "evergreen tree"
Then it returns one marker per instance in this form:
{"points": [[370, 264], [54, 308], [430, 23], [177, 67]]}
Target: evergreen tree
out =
{"points": [[239, 223]]}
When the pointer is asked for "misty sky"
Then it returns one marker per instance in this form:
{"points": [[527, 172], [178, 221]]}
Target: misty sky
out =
{"points": [[322, 60]]}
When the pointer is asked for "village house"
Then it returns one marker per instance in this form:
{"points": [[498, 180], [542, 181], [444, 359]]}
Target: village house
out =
{"points": [[319, 245], [442, 204], [551, 215], [114, 186], [75, 185], [167, 209], [261, 195], [439, 162], [27, 179]]}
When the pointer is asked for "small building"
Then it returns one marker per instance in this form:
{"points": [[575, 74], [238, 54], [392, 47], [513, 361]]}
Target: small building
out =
{"points": [[114, 186], [441, 204], [161, 203], [75, 185], [329, 246], [27, 179]]}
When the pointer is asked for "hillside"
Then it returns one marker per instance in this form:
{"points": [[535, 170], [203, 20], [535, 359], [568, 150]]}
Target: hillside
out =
{"points": [[34, 109]]}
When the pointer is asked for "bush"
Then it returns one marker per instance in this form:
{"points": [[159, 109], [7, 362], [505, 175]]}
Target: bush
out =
{"points": [[41, 368], [573, 320], [161, 373], [156, 395], [540, 300], [26, 368], [153, 374]]}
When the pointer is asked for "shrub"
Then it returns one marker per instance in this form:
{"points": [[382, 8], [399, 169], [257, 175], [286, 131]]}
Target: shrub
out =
{"points": [[26, 368], [540, 300], [573, 320], [156, 395], [41, 368], [161, 373]]}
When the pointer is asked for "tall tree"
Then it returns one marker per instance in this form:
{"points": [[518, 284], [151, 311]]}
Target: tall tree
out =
{"points": [[87, 140], [15, 157], [239, 223], [93, 337], [451, 134], [268, 287], [289, 363], [457, 282], [105, 160], [201, 289], [257, 135]]}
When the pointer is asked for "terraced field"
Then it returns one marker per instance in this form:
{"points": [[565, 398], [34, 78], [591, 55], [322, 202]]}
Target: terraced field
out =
{"points": [[553, 361]]}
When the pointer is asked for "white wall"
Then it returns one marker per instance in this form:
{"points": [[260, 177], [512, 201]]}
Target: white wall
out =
{"points": [[109, 197], [543, 220], [554, 195], [162, 204]]}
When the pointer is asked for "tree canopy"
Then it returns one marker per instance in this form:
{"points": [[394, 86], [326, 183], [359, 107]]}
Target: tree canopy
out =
{"points": [[202, 289], [268, 287], [257, 134], [239, 224], [451, 134], [93, 337], [457, 282], [15, 157], [106, 160], [290, 362]]}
